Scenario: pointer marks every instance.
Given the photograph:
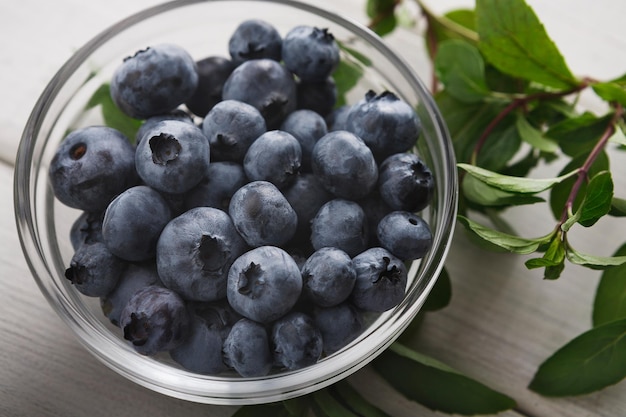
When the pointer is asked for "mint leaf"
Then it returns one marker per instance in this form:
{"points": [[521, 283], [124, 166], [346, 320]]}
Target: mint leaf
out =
{"points": [[352, 400], [346, 77], [500, 147], [579, 135], [513, 39], [514, 184], [461, 68], [611, 92], [505, 241], [591, 361], [618, 137], [560, 192], [436, 385], [262, 410], [598, 198], [483, 194], [112, 115], [553, 259], [534, 137], [385, 25], [441, 293], [329, 406], [594, 262], [618, 207], [610, 300]]}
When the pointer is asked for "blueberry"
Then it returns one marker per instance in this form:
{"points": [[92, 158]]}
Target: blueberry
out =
{"points": [[173, 156], [319, 96], [222, 180], [135, 277], [255, 39], [217, 314], [266, 85], [262, 215], [94, 270], [155, 319], [296, 341], [231, 126], [201, 350], [310, 52], [264, 284], [306, 196], [212, 74], [328, 276], [405, 182], [275, 157], [342, 224], [195, 251], [133, 222], [154, 81], [386, 123], [336, 120], [344, 165], [150, 122], [381, 280], [87, 228], [247, 349], [404, 234], [339, 325], [307, 127], [91, 166], [375, 209]]}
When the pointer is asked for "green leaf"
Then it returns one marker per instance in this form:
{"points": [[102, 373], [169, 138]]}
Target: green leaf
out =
{"points": [[500, 147], [618, 137], [505, 241], [374, 8], [465, 121], [514, 184], [330, 406], [385, 25], [618, 207], [436, 385], [112, 115], [611, 92], [554, 255], [461, 69], [560, 192], [598, 198], [440, 294], [297, 407], [346, 77], [610, 300], [262, 410], [534, 137], [483, 194], [591, 361], [455, 24], [513, 39], [351, 399], [594, 262], [579, 135]]}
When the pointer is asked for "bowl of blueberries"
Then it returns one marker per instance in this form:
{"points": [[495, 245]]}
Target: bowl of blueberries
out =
{"points": [[235, 201]]}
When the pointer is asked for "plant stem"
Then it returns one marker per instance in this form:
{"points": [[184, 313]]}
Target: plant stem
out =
{"points": [[520, 102], [583, 172]]}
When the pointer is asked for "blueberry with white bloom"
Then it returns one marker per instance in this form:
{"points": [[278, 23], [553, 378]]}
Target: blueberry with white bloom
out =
{"points": [[173, 156], [195, 251], [247, 349], [310, 52], [297, 341], [342, 224], [91, 166], [255, 39], [275, 157], [405, 234], [381, 280], [154, 81], [231, 126], [264, 284]]}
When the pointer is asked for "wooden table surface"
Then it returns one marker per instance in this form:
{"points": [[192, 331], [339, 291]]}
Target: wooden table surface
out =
{"points": [[503, 320]]}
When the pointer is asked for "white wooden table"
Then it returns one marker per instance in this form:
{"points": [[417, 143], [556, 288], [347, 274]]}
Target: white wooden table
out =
{"points": [[503, 320]]}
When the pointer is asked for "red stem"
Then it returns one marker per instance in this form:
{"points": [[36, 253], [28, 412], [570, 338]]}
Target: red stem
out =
{"points": [[591, 158]]}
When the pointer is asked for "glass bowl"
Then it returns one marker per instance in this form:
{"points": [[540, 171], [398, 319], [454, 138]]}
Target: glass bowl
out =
{"points": [[203, 28]]}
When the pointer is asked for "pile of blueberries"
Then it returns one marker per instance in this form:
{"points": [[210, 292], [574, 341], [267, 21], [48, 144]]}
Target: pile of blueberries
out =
{"points": [[254, 221]]}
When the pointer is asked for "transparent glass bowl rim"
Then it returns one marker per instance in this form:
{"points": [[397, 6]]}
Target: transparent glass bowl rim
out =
{"points": [[222, 390]]}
